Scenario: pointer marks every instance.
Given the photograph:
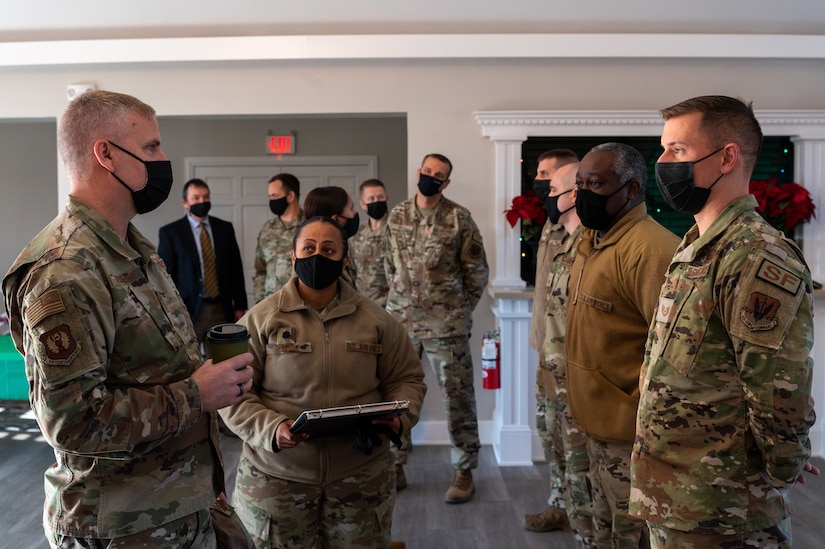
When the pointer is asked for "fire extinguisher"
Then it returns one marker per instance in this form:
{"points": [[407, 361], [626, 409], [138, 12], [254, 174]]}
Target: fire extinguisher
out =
{"points": [[490, 360]]}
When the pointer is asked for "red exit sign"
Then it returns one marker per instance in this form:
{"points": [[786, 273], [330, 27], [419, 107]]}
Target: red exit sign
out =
{"points": [[280, 144]]}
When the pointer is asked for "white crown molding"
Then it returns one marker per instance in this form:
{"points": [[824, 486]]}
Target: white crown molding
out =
{"points": [[411, 46], [519, 125]]}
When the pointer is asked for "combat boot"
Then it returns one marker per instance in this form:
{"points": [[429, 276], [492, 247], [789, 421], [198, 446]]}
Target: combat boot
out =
{"points": [[548, 520], [462, 487]]}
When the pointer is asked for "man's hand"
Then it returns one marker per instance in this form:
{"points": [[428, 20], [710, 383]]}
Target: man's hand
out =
{"points": [[809, 468], [223, 383]]}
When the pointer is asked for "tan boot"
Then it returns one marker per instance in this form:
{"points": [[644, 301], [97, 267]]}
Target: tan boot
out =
{"points": [[400, 477], [398, 545], [548, 520], [462, 487]]}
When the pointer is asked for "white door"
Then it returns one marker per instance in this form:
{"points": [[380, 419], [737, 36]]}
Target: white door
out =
{"points": [[238, 187]]}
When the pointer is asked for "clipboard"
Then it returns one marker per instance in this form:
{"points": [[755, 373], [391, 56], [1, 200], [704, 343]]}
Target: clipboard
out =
{"points": [[344, 419]]}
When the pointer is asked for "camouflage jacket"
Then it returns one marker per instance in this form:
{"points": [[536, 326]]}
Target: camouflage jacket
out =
{"points": [[110, 351], [436, 268], [726, 402], [549, 244], [367, 250], [273, 264], [614, 284], [555, 292]]}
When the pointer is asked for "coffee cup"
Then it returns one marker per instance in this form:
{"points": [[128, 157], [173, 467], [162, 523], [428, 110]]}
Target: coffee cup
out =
{"points": [[226, 340]]}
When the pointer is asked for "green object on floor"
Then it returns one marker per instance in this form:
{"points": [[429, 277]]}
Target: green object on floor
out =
{"points": [[13, 384]]}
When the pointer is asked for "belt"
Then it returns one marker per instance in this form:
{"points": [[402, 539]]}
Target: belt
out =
{"points": [[216, 299]]}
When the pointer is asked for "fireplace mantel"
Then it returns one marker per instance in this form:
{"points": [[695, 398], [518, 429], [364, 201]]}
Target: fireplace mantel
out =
{"points": [[515, 441]]}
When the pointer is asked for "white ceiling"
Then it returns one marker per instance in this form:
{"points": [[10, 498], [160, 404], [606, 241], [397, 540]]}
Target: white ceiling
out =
{"points": [[43, 20]]}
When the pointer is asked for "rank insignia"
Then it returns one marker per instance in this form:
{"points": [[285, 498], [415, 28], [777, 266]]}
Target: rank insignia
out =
{"points": [[59, 345], [761, 312]]}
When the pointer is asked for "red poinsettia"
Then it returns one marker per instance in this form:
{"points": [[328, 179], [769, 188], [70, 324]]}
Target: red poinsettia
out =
{"points": [[783, 205], [530, 209]]}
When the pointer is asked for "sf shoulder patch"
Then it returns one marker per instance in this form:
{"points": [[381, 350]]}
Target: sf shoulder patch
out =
{"points": [[779, 277], [766, 302], [59, 346]]}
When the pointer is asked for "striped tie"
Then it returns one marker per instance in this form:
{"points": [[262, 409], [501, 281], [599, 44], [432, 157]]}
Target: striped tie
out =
{"points": [[210, 275]]}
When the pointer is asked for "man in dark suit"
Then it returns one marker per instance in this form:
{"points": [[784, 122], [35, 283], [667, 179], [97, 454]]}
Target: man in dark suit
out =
{"points": [[212, 283]]}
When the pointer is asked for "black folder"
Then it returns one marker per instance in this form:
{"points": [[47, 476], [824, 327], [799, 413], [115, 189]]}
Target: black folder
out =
{"points": [[344, 419]]}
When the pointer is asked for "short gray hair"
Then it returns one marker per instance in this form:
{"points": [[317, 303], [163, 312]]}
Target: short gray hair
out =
{"points": [[628, 163]]}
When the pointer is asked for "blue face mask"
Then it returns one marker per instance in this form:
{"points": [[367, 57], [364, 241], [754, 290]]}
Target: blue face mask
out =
{"points": [[158, 183]]}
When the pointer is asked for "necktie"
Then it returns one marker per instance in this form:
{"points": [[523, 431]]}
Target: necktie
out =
{"points": [[210, 275]]}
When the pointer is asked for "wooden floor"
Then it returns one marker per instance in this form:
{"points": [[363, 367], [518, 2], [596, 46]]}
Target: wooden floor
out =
{"points": [[422, 519]]}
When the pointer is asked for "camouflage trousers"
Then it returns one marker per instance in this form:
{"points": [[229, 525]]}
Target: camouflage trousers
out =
{"points": [[569, 448], [549, 430], [452, 362], [777, 537], [610, 483], [190, 532], [355, 511]]}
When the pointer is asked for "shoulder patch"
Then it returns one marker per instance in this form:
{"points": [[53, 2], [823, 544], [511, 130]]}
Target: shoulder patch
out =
{"points": [[760, 313], [59, 346], [765, 303], [475, 250], [779, 277], [46, 305]]}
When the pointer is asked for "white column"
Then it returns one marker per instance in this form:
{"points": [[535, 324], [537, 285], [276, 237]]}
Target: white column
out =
{"points": [[809, 167], [514, 414], [507, 266]]}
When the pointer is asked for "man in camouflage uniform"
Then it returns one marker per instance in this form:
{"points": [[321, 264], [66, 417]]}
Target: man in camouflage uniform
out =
{"points": [[273, 266], [111, 355], [437, 270], [725, 409], [615, 280], [553, 517], [570, 442], [368, 246]]}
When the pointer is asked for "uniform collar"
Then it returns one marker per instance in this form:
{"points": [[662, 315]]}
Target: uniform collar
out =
{"points": [[693, 244], [290, 300], [135, 246], [633, 216]]}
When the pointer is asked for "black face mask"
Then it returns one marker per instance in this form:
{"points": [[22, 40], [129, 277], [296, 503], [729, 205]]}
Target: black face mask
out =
{"points": [[200, 209], [675, 180], [592, 208], [551, 203], [428, 185], [542, 188], [318, 271], [351, 225], [278, 206], [158, 183], [377, 210]]}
